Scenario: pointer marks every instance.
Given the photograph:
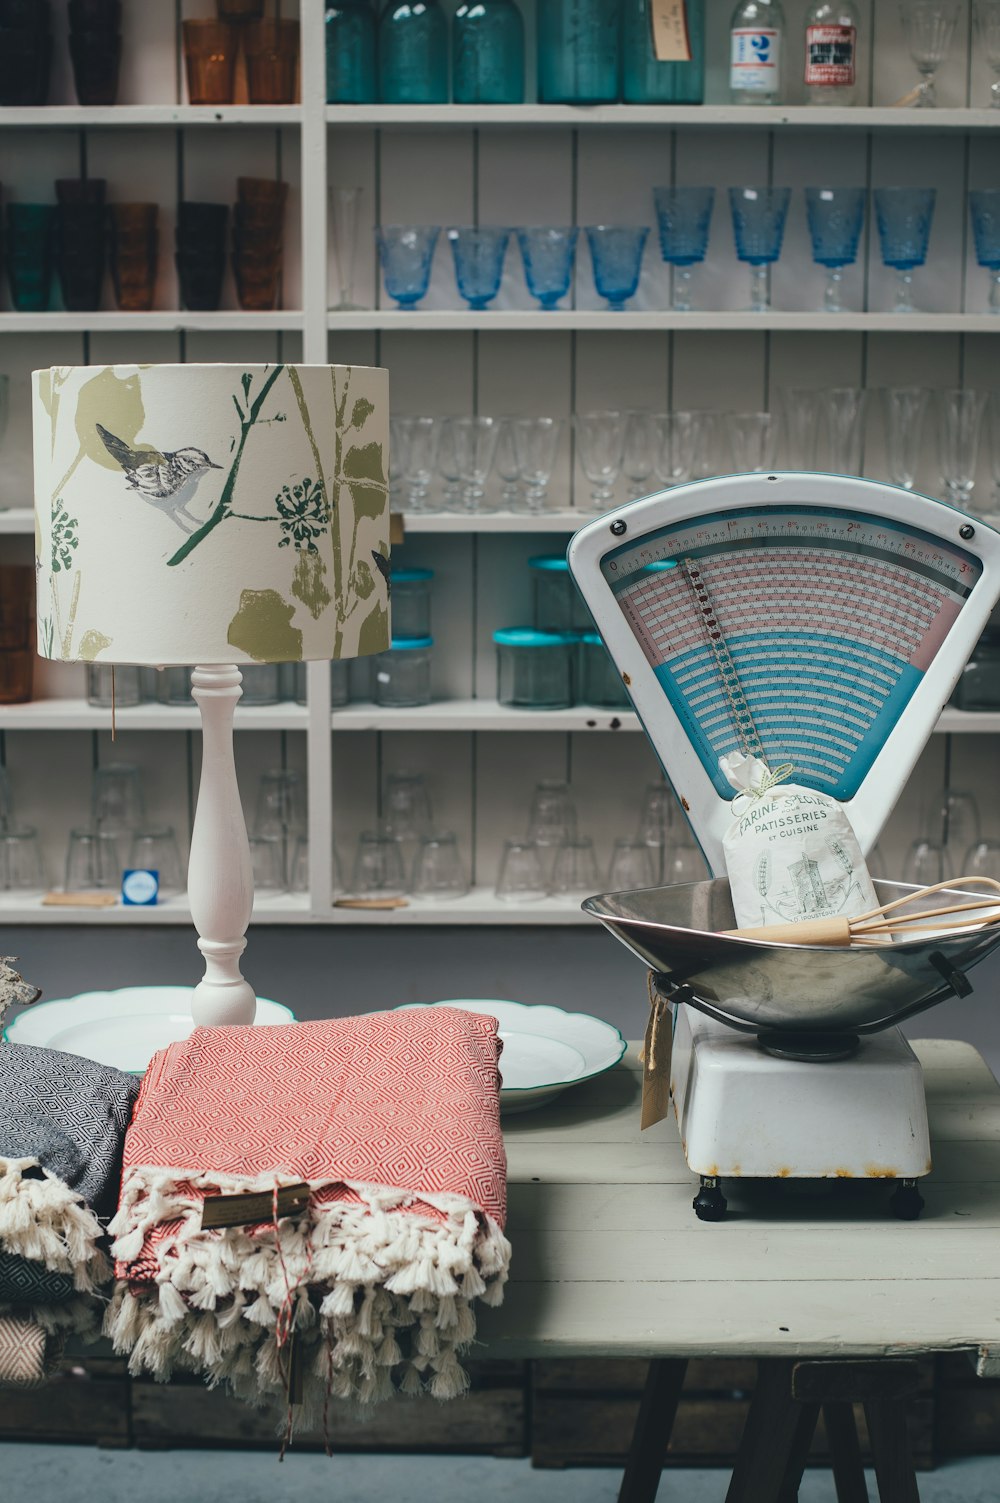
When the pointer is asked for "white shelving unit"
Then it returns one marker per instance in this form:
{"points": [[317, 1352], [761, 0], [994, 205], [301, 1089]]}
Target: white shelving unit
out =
{"points": [[453, 164]]}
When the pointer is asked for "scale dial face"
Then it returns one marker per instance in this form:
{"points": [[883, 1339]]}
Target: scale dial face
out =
{"points": [[815, 623]]}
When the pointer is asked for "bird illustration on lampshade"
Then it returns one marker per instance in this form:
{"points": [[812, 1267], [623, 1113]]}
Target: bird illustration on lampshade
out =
{"points": [[211, 513]]}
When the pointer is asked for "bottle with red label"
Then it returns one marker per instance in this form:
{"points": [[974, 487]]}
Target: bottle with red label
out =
{"points": [[831, 52]]}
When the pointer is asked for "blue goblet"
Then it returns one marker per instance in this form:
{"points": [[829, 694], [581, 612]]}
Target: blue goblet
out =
{"points": [[759, 216], [406, 252], [984, 204], [904, 228], [836, 218], [683, 216], [479, 257], [548, 253], [616, 252]]}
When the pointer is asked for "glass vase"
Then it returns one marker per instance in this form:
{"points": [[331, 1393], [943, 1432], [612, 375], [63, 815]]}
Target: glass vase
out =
{"points": [[413, 53], [578, 48], [646, 80], [350, 52], [488, 53]]}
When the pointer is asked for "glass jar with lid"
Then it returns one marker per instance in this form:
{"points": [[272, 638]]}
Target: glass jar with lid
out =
{"points": [[534, 668], [403, 674], [599, 681], [410, 602], [558, 604]]}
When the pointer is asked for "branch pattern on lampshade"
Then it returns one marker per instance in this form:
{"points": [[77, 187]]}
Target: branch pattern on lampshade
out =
{"points": [[211, 513]]}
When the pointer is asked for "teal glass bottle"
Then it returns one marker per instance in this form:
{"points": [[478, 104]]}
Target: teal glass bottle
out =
{"points": [[578, 51], [413, 53], [487, 53], [645, 80], [350, 52]]}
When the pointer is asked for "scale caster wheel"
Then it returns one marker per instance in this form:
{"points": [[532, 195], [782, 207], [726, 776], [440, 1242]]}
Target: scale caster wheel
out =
{"points": [[906, 1202], [710, 1204]]}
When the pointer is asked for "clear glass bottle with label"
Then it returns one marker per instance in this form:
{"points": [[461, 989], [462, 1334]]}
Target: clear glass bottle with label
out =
{"points": [[831, 52], [756, 44]]}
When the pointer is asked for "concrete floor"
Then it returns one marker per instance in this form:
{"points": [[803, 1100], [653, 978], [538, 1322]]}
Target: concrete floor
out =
{"points": [[81, 1474]]}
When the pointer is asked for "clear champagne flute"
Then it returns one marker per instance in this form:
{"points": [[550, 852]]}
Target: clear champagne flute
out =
{"points": [[344, 205]]}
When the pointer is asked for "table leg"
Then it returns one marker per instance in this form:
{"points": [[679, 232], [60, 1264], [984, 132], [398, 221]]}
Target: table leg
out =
{"points": [[845, 1453], [897, 1482], [799, 1454], [653, 1427], [769, 1437]]}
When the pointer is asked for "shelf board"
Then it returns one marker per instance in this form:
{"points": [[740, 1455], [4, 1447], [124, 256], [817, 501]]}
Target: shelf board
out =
{"points": [[78, 715], [17, 520], [565, 520], [143, 116], [977, 722], [658, 320], [284, 908], [480, 906], [480, 715], [159, 321], [769, 117]]}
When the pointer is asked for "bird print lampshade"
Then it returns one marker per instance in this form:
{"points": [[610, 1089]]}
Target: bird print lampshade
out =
{"points": [[211, 513]]}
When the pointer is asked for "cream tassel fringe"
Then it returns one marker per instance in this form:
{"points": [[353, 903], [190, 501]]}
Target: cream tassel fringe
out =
{"points": [[46, 1222], [394, 1290]]}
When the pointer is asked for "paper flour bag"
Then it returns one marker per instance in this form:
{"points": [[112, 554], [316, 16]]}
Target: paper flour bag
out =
{"points": [[791, 853]]}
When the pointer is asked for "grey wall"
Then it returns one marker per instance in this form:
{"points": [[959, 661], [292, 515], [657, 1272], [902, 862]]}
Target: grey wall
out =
{"points": [[333, 972]]}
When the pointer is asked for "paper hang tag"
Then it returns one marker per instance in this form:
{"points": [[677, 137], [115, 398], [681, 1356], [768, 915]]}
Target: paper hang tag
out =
{"points": [[657, 1050], [671, 38], [241, 1210]]}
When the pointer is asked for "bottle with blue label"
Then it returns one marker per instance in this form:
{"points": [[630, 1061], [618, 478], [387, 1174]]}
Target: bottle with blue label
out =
{"points": [[756, 39]]}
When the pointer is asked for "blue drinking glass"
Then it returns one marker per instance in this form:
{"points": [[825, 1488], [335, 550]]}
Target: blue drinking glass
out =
{"points": [[487, 53], [616, 251], [759, 216], [836, 218], [479, 257], [406, 252], [578, 49], [683, 216], [350, 52], [984, 204], [413, 53], [904, 218], [548, 253]]}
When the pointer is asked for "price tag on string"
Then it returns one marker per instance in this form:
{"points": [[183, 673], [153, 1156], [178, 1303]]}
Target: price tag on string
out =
{"points": [[671, 38]]}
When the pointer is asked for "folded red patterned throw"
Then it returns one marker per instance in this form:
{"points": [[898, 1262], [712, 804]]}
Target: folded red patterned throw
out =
{"points": [[360, 1279]]}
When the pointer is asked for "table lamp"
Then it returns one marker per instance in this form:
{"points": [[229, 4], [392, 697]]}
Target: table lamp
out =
{"points": [[212, 515]]}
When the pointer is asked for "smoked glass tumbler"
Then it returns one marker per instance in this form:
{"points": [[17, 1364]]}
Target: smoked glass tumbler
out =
{"points": [[683, 216], [210, 49], [759, 216]]}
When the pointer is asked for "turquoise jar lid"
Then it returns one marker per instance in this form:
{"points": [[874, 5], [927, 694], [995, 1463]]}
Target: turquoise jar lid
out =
{"points": [[410, 576], [528, 636], [554, 561], [592, 638], [407, 644]]}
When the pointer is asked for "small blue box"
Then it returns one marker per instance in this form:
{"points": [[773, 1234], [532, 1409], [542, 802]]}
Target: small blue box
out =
{"points": [[140, 888]]}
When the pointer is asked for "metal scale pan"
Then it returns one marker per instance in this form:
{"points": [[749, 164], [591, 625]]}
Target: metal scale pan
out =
{"points": [[834, 616]]}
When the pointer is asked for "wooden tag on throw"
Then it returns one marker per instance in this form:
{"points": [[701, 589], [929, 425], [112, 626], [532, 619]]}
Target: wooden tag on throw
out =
{"points": [[656, 1053], [671, 38], [240, 1210]]}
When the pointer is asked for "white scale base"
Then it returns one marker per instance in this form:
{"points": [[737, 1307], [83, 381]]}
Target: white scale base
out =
{"points": [[743, 1114]]}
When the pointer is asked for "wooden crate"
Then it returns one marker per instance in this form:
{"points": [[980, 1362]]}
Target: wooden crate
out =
{"points": [[583, 1414]]}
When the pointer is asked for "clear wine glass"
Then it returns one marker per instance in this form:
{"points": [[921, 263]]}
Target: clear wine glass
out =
{"points": [[344, 206], [800, 410], [759, 215], [959, 422], [928, 26], [959, 828], [420, 448], [904, 408], [507, 467], [987, 13], [639, 452], [844, 407], [536, 440], [751, 441], [994, 422], [600, 440], [678, 443], [982, 860], [924, 864], [475, 440]]}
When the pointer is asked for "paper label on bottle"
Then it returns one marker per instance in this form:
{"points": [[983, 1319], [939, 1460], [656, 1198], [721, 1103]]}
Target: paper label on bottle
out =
{"points": [[671, 40], [830, 53], [755, 59]]}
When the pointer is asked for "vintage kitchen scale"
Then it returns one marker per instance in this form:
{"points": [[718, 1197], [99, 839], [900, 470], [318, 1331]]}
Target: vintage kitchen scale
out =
{"points": [[821, 621]]}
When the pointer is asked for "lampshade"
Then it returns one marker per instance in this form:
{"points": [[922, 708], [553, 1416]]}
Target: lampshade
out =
{"points": [[211, 513]]}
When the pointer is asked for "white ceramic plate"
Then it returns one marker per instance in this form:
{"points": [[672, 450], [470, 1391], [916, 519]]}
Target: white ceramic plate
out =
{"points": [[122, 1028], [545, 1050]]}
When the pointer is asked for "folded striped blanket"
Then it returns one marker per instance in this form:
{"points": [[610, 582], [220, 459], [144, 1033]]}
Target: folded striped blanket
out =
{"points": [[62, 1130], [373, 1147]]}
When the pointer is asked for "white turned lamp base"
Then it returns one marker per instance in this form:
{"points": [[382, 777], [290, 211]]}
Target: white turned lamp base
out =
{"points": [[220, 874]]}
